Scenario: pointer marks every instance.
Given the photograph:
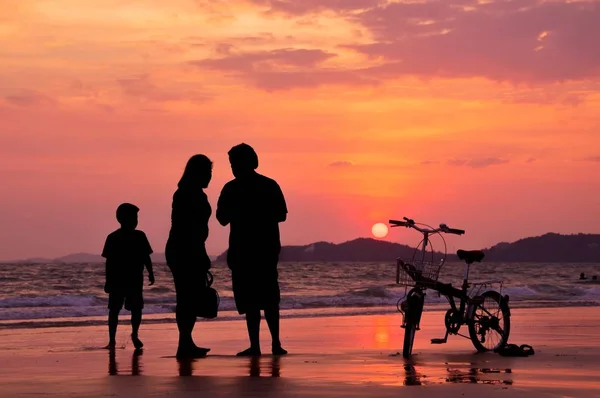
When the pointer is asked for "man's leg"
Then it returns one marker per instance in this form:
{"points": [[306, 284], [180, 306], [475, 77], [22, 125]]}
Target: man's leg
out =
{"points": [[272, 299], [253, 325], [272, 317]]}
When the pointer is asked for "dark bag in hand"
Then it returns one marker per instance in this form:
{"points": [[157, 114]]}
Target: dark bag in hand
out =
{"points": [[208, 305]]}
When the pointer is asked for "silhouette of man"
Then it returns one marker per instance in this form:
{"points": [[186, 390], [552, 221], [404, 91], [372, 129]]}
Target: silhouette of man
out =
{"points": [[253, 205]]}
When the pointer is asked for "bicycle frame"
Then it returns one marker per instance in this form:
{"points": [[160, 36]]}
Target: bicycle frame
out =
{"points": [[466, 302], [447, 290]]}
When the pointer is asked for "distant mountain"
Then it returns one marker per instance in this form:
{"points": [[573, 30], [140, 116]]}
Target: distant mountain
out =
{"points": [[546, 248], [361, 249], [81, 258], [550, 247]]}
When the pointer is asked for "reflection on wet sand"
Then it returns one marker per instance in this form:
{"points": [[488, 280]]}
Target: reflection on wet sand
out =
{"points": [[273, 365], [458, 373], [113, 367], [479, 376], [256, 367]]}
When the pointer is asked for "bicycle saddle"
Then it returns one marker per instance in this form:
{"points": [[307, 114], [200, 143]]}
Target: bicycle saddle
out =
{"points": [[470, 256]]}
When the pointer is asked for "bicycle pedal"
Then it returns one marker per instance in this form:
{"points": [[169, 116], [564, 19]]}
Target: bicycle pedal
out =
{"points": [[438, 341]]}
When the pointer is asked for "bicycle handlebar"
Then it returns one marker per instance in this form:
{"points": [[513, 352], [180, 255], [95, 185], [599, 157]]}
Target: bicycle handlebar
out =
{"points": [[411, 224]]}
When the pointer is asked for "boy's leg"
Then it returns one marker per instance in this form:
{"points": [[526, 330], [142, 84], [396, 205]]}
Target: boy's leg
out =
{"points": [[134, 302], [113, 321], [136, 320], [115, 303]]}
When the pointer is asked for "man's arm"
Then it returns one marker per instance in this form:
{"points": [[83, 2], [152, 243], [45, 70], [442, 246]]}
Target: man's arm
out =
{"points": [[223, 213], [280, 207]]}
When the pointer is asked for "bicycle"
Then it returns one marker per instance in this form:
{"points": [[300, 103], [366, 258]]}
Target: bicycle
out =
{"points": [[485, 314]]}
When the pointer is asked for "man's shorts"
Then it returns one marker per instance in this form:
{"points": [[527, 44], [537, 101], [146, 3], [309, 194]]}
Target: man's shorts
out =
{"points": [[133, 300]]}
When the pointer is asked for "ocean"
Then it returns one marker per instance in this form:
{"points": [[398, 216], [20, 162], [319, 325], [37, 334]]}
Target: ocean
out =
{"points": [[43, 295]]}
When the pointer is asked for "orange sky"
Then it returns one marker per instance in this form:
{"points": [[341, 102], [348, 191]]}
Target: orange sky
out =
{"points": [[481, 114]]}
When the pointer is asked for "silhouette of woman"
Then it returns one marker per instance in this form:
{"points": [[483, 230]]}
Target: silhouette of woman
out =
{"points": [[186, 252]]}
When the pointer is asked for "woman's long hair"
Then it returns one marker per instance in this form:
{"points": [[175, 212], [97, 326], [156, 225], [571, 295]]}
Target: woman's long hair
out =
{"points": [[197, 172]]}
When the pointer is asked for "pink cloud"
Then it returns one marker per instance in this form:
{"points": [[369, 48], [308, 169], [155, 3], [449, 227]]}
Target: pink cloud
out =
{"points": [[27, 98], [266, 60], [301, 7], [477, 163], [284, 69], [518, 41], [143, 87]]}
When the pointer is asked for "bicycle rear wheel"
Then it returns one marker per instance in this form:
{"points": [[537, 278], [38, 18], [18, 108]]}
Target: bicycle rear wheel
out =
{"points": [[489, 327]]}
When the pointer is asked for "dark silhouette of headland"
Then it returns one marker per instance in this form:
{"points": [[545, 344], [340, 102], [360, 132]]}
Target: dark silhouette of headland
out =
{"points": [[550, 247]]}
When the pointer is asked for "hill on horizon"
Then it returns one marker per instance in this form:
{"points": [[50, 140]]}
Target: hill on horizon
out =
{"points": [[550, 247]]}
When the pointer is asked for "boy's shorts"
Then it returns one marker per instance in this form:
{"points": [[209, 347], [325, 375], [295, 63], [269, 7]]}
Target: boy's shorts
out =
{"points": [[133, 300]]}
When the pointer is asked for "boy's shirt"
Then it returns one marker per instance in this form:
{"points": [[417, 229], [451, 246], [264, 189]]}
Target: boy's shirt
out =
{"points": [[126, 252]]}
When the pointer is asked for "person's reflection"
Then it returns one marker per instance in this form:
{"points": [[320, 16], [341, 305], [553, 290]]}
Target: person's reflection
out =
{"points": [[255, 366], [112, 363], [186, 366], [136, 369], [113, 368], [276, 366]]}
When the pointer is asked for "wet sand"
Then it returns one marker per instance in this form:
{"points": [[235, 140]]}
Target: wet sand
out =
{"points": [[330, 357]]}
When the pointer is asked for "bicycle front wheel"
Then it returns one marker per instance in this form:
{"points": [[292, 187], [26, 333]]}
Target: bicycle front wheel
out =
{"points": [[489, 327], [414, 311], [409, 338]]}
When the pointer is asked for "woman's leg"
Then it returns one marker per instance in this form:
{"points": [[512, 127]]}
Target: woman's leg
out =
{"points": [[185, 314]]}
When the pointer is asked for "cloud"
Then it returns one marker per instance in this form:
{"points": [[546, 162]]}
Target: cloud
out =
{"points": [[142, 87], [429, 162], [341, 163], [517, 41], [284, 69], [595, 159], [27, 98], [302, 7], [531, 160], [266, 60], [477, 163]]}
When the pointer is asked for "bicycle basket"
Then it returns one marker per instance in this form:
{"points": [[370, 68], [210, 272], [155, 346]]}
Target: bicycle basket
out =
{"points": [[422, 273]]}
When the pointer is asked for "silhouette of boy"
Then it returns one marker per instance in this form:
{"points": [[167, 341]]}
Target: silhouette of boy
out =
{"points": [[127, 252], [253, 205]]}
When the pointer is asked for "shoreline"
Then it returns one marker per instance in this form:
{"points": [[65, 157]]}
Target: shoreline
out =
{"points": [[169, 317], [338, 356]]}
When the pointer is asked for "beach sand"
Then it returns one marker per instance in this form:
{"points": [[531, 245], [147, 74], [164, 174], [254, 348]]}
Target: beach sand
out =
{"points": [[329, 356]]}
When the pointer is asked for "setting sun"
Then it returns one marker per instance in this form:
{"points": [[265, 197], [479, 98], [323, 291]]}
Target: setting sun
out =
{"points": [[379, 230]]}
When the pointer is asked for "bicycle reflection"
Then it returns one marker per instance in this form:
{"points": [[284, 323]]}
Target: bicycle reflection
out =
{"points": [[473, 375]]}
